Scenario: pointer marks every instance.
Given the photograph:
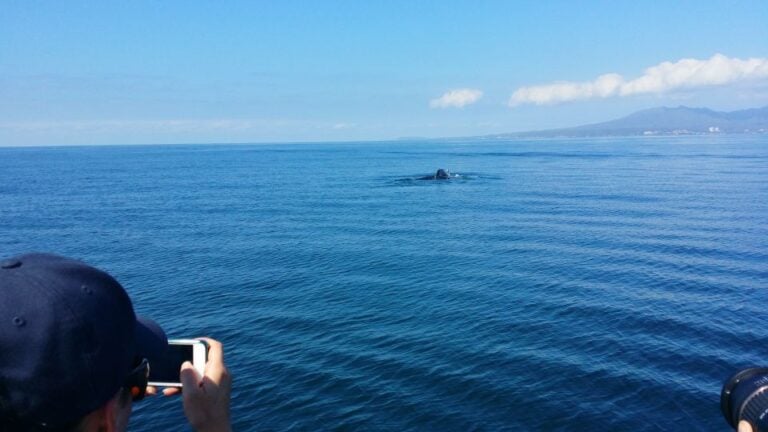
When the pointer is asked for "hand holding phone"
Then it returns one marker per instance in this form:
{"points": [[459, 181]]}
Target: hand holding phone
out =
{"points": [[206, 392], [206, 396]]}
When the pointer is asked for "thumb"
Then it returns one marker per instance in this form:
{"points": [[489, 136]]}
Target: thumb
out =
{"points": [[744, 426], [189, 377]]}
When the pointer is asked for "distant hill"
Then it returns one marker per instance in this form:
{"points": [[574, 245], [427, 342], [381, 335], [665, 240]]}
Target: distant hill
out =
{"points": [[665, 121]]}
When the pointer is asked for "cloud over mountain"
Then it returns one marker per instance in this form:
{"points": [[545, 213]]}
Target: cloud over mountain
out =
{"points": [[457, 98], [665, 77]]}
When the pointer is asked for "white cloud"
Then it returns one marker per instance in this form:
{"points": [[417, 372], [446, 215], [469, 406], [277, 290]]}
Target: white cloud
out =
{"points": [[458, 98], [663, 78]]}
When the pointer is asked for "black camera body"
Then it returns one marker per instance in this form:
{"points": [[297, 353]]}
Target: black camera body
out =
{"points": [[745, 397]]}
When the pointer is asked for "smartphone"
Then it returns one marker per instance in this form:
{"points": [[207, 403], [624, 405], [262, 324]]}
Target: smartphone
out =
{"points": [[165, 372]]}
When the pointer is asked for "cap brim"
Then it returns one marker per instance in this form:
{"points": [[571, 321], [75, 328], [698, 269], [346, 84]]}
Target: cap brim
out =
{"points": [[151, 341]]}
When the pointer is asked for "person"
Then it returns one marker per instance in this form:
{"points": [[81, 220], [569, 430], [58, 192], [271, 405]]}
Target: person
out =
{"points": [[74, 356]]}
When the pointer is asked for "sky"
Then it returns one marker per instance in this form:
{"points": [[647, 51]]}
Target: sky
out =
{"points": [[143, 72]]}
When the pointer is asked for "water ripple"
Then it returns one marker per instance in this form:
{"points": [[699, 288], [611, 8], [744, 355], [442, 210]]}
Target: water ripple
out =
{"points": [[561, 285]]}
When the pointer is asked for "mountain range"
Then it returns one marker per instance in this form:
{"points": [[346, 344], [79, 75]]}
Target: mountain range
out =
{"points": [[681, 120]]}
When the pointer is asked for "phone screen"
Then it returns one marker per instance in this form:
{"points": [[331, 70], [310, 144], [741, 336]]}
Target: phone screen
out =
{"points": [[167, 369]]}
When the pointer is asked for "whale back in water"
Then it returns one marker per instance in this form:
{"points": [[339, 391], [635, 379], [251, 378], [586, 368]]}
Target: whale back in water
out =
{"points": [[441, 174]]}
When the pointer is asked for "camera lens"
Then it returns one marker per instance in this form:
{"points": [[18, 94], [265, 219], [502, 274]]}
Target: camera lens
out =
{"points": [[745, 397]]}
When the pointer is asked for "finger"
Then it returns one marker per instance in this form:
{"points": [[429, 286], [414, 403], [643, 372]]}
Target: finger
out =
{"points": [[214, 367], [171, 391], [150, 391], [744, 426], [190, 378], [215, 350]]}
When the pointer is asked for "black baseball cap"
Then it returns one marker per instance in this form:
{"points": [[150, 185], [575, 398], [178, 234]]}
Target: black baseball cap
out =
{"points": [[68, 339]]}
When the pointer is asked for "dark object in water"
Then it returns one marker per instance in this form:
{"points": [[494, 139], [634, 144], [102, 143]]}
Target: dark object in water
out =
{"points": [[441, 174], [743, 397]]}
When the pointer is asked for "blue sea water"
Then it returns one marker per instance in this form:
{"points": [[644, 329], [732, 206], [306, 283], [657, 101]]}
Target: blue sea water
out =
{"points": [[580, 285]]}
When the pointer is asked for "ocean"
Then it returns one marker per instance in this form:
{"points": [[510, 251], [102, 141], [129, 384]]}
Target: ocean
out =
{"points": [[559, 284]]}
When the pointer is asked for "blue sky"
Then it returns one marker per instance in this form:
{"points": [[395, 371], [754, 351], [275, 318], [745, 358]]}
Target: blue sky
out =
{"points": [[206, 72]]}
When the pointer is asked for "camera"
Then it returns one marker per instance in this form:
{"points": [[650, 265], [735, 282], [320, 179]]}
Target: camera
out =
{"points": [[745, 397]]}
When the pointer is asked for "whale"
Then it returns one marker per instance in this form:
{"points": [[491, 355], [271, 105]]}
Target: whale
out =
{"points": [[441, 174]]}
